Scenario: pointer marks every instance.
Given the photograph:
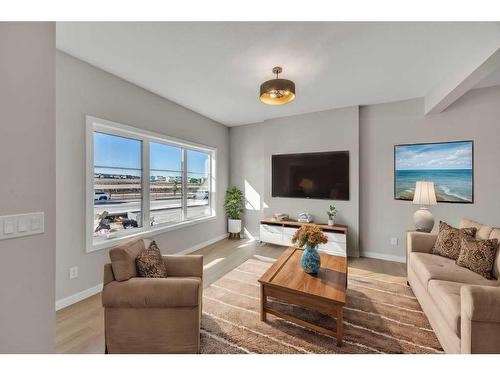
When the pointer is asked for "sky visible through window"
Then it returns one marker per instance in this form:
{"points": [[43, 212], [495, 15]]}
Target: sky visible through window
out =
{"points": [[120, 155]]}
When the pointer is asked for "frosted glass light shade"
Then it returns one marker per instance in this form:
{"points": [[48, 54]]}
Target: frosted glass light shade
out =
{"points": [[424, 193]]}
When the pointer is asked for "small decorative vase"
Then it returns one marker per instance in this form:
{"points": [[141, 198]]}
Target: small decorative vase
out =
{"points": [[310, 260], [330, 222]]}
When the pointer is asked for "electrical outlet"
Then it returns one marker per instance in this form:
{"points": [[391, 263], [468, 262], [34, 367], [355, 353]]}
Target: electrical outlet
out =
{"points": [[394, 241], [73, 272]]}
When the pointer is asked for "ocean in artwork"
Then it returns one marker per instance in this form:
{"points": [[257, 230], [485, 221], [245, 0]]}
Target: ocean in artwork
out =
{"points": [[451, 185], [449, 165]]}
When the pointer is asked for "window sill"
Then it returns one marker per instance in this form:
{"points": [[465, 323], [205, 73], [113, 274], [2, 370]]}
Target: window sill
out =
{"points": [[103, 243]]}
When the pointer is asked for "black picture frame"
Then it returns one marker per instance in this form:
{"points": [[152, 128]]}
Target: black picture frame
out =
{"points": [[434, 143]]}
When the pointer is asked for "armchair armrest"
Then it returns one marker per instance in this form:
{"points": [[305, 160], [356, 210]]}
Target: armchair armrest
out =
{"points": [[420, 242], [184, 265], [142, 292], [480, 319]]}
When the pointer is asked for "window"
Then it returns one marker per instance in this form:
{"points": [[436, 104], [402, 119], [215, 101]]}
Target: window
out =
{"points": [[139, 182]]}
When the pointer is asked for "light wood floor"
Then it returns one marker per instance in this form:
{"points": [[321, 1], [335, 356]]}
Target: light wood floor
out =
{"points": [[80, 327]]}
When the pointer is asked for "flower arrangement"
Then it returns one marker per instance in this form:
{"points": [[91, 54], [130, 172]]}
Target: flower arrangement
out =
{"points": [[332, 212], [310, 235]]}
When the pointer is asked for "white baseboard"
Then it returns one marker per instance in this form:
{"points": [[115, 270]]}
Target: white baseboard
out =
{"points": [[392, 258], [77, 297], [203, 244]]}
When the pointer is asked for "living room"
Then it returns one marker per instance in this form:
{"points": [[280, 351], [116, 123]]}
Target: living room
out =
{"points": [[250, 187]]}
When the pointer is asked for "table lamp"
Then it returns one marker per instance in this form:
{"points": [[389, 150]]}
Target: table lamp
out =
{"points": [[424, 196]]}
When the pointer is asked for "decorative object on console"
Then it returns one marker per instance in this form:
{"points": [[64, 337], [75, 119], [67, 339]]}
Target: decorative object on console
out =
{"points": [[448, 164], [277, 91], [304, 218], [233, 205], [425, 196], [310, 236], [281, 217], [332, 213]]}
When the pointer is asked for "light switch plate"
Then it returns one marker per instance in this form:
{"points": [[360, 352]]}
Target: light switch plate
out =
{"points": [[8, 226], [12, 226]]}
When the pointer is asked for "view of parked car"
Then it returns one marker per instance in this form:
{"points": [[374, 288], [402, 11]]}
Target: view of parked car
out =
{"points": [[101, 196]]}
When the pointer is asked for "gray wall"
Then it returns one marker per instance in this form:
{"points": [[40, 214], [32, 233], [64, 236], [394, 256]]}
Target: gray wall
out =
{"points": [[27, 165], [250, 167], [85, 90], [475, 116]]}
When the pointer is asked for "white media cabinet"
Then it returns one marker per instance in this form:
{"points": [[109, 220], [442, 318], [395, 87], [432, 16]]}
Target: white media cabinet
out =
{"points": [[281, 233]]}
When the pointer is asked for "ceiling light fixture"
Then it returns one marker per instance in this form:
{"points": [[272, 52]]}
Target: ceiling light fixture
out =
{"points": [[277, 91]]}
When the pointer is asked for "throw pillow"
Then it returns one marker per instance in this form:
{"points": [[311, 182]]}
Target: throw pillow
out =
{"points": [[150, 262], [449, 239], [478, 255]]}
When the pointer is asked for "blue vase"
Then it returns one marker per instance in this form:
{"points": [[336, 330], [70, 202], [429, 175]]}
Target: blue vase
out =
{"points": [[310, 260]]}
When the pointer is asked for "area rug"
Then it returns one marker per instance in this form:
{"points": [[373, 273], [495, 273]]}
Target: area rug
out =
{"points": [[379, 317]]}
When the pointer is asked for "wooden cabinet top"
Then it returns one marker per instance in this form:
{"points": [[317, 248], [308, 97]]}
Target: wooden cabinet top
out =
{"points": [[291, 223]]}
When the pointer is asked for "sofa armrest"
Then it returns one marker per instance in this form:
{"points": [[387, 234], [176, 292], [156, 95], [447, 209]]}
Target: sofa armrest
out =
{"points": [[142, 292], [184, 265], [480, 303], [420, 242], [480, 319]]}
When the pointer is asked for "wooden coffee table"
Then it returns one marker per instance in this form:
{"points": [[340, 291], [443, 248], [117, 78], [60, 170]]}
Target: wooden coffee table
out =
{"points": [[324, 292]]}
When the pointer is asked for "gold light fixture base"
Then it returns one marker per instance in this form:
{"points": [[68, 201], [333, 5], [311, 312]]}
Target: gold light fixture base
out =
{"points": [[277, 91]]}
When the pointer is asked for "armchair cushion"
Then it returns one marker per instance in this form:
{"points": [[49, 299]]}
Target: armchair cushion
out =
{"points": [[150, 263], [123, 259], [141, 292]]}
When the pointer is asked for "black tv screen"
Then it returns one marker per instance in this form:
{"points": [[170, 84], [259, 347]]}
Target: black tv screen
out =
{"points": [[319, 175]]}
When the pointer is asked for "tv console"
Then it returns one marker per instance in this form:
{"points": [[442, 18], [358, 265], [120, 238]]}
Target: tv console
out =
{"points": [[281, 233]]}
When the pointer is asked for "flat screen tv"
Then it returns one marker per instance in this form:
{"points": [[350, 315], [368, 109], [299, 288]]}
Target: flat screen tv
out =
{"points": [[319, 175]]}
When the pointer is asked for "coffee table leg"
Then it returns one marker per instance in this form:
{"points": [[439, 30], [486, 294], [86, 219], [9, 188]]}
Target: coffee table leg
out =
{"points": [[263, 300], [340, 326]]}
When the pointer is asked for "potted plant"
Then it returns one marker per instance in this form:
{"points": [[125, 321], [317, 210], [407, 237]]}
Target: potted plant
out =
{"points": [[332, 212], [233, 205], [310, 236]]}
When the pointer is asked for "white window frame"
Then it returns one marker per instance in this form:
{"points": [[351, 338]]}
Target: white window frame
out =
{"points": [[117, 129]]}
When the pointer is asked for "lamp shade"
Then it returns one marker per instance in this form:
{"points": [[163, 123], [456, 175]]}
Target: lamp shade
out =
{"points": [[424, 193]]}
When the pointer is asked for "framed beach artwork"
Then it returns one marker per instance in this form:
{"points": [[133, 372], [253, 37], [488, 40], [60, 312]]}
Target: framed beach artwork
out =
{"points": [[450, 165]]}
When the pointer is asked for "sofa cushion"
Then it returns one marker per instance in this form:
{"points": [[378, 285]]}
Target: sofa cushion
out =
{"points": [[449, 240], [123, 259], [150, 263], [434, 267], [478, 256], [446, 295], [482, 230], [495, 234], [141, 292]]}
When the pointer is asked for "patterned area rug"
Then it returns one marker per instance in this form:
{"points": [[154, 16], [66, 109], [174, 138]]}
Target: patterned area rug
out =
{"points": [[379, 317]]}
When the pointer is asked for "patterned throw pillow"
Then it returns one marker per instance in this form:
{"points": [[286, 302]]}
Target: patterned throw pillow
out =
{"points": [[449, 240], [150, 263], [478, 256]]}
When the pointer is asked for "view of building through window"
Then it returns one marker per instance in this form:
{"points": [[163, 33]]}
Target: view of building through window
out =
{"points": [[119, 199]]}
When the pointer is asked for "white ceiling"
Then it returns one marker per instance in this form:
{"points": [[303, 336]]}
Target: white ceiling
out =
{"points": [[216, 68]]}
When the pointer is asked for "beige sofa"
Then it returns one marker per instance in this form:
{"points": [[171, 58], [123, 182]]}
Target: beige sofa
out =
{"points": [[462, 306], [152, 315]]}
